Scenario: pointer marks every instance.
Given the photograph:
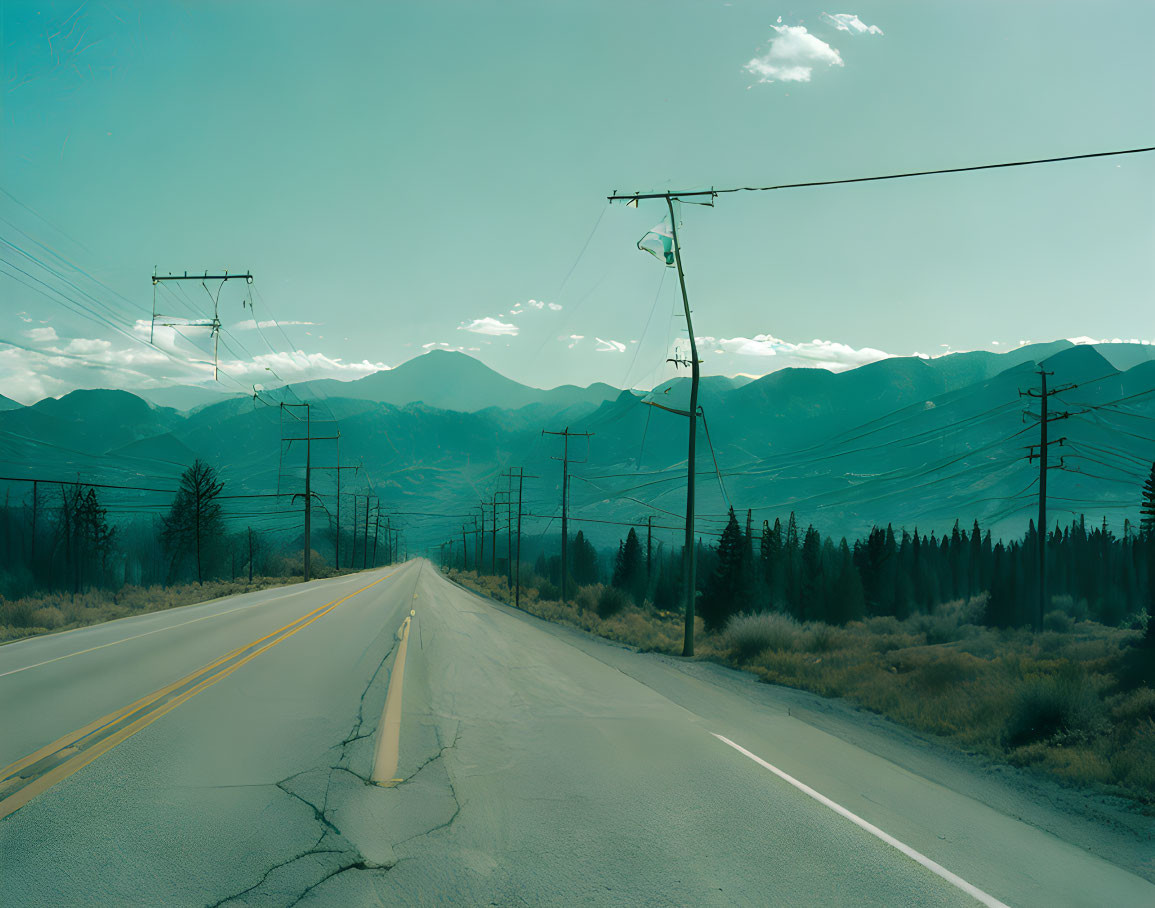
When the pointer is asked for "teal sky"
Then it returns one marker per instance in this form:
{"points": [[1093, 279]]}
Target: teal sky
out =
{"points": [[395, 173]]}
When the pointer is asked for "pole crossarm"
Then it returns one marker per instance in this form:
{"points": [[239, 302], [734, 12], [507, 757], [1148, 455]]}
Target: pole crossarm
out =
{"points": [[674, 410], [158, 278]]}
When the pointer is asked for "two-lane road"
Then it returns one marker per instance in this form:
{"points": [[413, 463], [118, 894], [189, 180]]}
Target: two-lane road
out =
{"points": [[222, 754]]}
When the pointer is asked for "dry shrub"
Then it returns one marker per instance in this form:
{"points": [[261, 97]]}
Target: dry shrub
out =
{"points": [[748, 635], [50, 617], [612, 601], [1059, 709]]}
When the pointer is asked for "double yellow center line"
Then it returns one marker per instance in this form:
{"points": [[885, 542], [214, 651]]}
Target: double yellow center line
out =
{"points": [[23, 780]]}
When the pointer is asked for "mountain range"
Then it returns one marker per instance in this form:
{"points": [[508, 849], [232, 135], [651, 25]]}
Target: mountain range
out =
{"points": [[909, 441]]}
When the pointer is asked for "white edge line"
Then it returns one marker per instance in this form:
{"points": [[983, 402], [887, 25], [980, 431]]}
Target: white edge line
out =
{"points": [[159, 630], [926, 862]]}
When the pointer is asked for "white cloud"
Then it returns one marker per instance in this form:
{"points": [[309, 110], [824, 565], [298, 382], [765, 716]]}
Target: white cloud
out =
{"points": [[609, 346], [555, 307], [792, 56], [251, 324], [300, 365], [575, 339], [1108, 340], [848, 22], [534, 304], [489, 326], [30, 373], [824, 354], [42, 335]]}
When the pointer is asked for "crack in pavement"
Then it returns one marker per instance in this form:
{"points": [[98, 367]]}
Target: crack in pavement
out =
{"points": [[332, 841]]}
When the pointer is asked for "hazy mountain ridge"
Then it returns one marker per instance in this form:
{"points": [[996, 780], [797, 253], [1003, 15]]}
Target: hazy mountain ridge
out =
{"points": [[909, 441]]}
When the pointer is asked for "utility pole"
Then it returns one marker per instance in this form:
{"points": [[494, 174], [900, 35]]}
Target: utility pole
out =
{"points": [[649, 550], [353, 551], [515, 557], [308, 440], [673, 257], [567, 435], [35, 504], [337, 541], [1045, 418], [214, 325], [250, 555], [504, 494], [365, 553], [493, 537], [517, 554], [481, 540]]}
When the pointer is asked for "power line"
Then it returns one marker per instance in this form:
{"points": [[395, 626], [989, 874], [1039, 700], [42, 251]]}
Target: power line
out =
{"points": [[633, 198]]}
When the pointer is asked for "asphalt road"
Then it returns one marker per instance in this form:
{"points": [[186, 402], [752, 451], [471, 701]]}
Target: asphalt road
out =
{"points": [[221, 754]]}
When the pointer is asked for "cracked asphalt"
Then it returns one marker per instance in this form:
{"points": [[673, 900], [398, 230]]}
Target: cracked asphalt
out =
{"points": [[539, 766]]}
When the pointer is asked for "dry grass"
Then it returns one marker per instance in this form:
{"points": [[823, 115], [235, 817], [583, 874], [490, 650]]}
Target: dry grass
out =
{"points": [[56, 611], [1058, 701]]}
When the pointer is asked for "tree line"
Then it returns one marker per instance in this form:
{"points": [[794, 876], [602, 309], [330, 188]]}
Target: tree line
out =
{"points": [[60, 537], [1092, 572]]}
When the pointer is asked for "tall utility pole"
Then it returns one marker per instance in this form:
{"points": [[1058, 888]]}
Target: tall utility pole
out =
{"points": [[481, 539], [214, 325], [308, 496], [674, 257], [35, 505], [493, 537], [365, 553], [649, 551], [353, 551], [504, 494], [337, 541], [567, 435], [515, 556], [1045, 418]]}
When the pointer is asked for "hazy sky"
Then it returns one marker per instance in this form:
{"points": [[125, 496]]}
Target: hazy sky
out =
{"points": [[399, 175]]}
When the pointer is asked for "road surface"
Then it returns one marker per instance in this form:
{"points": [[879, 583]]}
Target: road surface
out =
{"points": [[223, 754]]}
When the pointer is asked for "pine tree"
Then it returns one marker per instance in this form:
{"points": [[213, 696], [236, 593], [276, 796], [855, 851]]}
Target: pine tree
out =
{"points": [[630, 567], [722, 596], [584, 559], [193, 525]]}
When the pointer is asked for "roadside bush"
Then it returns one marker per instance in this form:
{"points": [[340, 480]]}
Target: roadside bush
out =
{"points": [[50, 617], [823, 638], [611, 601], [547, 591], [749, 635], [17, 614], [1061, 708], [1057, 621], [587, 597]]}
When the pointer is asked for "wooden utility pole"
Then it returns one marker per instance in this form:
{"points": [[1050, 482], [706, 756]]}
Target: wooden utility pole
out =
{"points": [[1045, 418], [515, 554], [480, 547], [214, 325], [567, 435], [353, 551], [493, 537], [308, 440], [365, 546], [35, 505], [649, 550], [337, 540], [689, 555]]}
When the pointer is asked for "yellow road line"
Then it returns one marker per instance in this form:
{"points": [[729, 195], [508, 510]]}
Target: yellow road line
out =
{"points": [[387, 752], [204, 677]]}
